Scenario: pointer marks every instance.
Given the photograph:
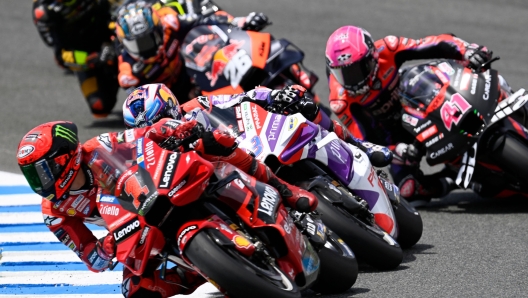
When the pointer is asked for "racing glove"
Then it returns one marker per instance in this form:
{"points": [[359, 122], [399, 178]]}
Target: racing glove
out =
{"points": [[407, 155], [293, 99], [100, 257], [108, 245], [255, 22], [288, 94], [206, 142], [476, 55]]}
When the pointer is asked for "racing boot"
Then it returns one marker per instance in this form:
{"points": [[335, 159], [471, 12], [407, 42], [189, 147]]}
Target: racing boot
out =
{"points": [[297, 198], [177, 281], [418, 188], [379, 156]]}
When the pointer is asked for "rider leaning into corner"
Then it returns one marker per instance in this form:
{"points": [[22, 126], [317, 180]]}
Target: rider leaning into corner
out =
{"points": [[363, 79], [150, 36], [56, 166], [143, 108], [80, 33]]}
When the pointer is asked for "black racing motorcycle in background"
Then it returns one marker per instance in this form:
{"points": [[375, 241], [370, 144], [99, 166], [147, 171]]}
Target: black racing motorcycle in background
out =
{"points": [[464, 119]]}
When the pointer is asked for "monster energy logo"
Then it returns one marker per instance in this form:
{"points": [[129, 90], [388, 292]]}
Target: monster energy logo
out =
{"points": [[63, 132]]}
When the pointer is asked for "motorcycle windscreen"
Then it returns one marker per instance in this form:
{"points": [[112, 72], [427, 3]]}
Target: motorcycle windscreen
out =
{"points": [[199, 46], [228, 119], [419, 86], [117, 172]]}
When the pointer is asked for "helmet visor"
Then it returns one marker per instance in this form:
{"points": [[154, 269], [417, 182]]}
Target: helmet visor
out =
{"points": [[353, 75], [40, 178], [43, 174], [144, 46]]}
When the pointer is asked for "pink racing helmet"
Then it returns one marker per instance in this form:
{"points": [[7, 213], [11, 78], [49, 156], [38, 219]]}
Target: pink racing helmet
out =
{"points": [[352, 58]]}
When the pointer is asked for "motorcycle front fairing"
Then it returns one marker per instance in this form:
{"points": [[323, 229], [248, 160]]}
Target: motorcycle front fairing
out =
{"points": [[226, 60], [445, 105], [260, 207], [136, 239]]}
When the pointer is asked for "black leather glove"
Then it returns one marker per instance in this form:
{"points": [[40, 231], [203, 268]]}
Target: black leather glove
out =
{"points": [[293, 99], [256, 21], [477, 55], [288, 94]]}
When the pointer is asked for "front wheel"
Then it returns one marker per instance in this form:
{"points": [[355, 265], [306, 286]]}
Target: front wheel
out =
{"points": [[237, 277], [339, 268], [410, 225], [368, 242], [510, 153]]}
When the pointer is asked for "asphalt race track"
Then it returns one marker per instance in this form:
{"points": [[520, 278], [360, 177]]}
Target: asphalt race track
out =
{"points": [[471, 247]]}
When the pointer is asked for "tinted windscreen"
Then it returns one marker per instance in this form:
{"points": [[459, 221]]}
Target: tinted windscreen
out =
{"points": [[225, 119], [419, 86]]}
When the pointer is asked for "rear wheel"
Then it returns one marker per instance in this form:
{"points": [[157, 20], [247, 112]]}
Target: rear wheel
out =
{"points": [[410, 225], [237, 275], [339, 268], [368, 242]]}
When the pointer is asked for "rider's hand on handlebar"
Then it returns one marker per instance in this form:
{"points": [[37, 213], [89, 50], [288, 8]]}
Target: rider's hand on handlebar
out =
{"points": [[256, 21], [288, 94], [107, 245], [477, 55], [407, 154], [192, 134], [293, 99]]}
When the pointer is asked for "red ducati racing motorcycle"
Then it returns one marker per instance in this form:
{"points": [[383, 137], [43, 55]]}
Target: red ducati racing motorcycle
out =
{"points": [[166, 206]]}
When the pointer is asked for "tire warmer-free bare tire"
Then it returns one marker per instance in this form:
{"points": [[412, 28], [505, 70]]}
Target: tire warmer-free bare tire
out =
{"points": [[368, 245], [338, 271], [410, 225], [238, 279]]}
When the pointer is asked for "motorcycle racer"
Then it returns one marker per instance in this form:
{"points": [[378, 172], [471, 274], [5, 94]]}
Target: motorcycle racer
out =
{"points": [[363, 79], [143, 108], [57, 167], [80, 33], [150, 37]]}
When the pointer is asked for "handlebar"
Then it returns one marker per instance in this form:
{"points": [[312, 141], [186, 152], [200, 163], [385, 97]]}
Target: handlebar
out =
{"points": [[486, 65]]}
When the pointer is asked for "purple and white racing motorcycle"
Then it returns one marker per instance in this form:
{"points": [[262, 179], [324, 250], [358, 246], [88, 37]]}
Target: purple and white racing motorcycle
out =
{"points": [[356, 201]]}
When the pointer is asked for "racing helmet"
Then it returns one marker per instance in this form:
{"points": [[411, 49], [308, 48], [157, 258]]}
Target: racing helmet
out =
{"points": [[149, 103], [49, 156], [352, 58], [140, 31]]}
